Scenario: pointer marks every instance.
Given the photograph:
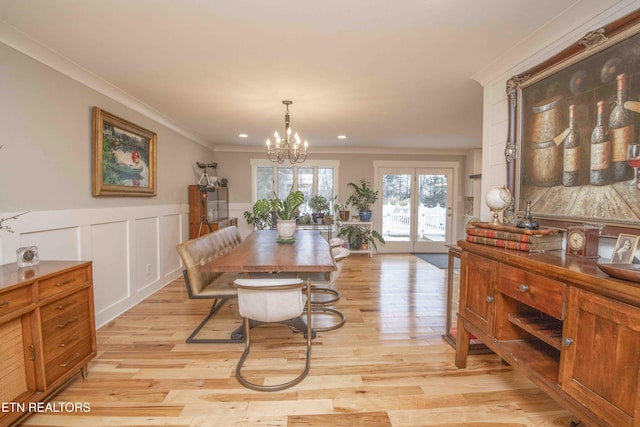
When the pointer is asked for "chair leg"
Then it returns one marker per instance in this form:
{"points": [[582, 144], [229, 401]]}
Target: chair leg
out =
{"points": [[237, 336], [326, 291], [276, 387], [330, 311]]}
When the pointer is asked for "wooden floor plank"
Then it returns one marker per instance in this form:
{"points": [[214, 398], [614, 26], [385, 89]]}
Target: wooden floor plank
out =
{"points": [[388, 365]]}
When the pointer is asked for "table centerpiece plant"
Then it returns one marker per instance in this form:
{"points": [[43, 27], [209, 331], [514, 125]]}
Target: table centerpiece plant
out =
{"points": [[287, 210]]}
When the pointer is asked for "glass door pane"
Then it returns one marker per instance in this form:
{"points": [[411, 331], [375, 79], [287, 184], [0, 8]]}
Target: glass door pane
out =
{"points": [[397, 207], [434, 210]]}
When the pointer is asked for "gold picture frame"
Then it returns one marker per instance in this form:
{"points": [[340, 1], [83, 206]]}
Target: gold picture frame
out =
{"points": [[625, 249], [124, 157], [563, 183]]}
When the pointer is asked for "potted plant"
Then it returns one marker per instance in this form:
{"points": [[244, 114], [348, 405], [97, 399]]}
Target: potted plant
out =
{"points": [[357, 235], [319, 205], [304, 219], [362, 198], [286, 210], [342, 210], [260, 215]]}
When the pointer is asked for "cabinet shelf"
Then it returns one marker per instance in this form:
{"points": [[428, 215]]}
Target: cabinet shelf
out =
{"points": [[530, 353], [541, 326]]}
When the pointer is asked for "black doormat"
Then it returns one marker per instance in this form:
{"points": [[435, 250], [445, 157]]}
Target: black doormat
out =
{"points": [[439, 260]]}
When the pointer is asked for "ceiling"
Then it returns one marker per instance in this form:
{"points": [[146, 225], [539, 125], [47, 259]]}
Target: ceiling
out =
{"points": [[384, 73]]}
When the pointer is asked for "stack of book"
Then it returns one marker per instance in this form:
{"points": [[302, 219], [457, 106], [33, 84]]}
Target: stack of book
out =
{"points": [[509, 237]]}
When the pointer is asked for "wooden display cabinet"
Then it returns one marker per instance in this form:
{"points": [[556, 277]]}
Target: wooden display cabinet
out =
{"points": [[208, 210]]}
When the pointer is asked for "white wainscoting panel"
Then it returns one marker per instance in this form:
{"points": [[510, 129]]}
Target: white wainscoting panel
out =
{"points": [[147, 252], [110, 249], [133, 249], [171, 227]]}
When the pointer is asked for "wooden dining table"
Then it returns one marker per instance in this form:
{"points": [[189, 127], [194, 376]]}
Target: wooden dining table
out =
{"points": [[260, 252]]}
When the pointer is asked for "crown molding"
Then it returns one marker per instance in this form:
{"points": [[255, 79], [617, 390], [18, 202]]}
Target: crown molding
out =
{"points": [[350, 150], [24, 44], [560, 32]]}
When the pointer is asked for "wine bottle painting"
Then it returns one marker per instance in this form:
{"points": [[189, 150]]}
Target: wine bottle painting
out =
{"points": [[578, 131]]}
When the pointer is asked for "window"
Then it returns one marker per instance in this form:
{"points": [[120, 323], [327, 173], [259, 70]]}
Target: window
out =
{"points": [[311, 177]]}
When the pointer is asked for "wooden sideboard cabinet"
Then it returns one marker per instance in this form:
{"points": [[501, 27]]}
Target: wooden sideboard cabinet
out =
{"points": [[47, 331], [573, 330]]}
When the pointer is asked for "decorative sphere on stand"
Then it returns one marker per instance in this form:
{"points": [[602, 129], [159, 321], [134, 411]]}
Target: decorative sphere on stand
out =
{"points": [[498, 199]]}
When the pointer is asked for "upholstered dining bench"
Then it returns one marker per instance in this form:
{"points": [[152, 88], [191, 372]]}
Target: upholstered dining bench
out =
{"points": [[206, 285]]}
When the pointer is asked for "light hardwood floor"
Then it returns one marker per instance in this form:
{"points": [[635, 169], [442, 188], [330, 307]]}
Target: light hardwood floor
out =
{"points": [[388, 365]]}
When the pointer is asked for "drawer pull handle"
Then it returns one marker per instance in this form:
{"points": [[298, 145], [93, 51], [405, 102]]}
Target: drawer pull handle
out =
{"points": [[33, 352], [65, 324], [4, 303], [566, 341], [63, 306], [523, 287], [65, 282], [490, 298], [75, 356], [70, 340]]}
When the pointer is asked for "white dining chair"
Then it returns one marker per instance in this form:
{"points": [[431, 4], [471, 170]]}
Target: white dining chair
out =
{"points": [[274, 300]]}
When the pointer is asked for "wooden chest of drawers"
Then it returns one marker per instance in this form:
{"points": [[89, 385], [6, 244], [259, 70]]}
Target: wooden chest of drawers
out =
{"points": [[47, 330]]}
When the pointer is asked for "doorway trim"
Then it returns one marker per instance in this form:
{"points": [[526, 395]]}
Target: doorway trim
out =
{"points": [[455, 165]]}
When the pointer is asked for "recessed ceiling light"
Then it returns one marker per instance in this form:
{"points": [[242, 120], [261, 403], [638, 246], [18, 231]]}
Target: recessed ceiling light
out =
{"points": [[243, 135], [342, 136]]}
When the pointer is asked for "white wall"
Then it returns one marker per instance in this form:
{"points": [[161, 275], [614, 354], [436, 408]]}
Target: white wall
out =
{"points": [[566, 29]]}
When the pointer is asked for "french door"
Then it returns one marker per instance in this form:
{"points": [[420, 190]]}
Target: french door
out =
{"points": [[417, 208]]}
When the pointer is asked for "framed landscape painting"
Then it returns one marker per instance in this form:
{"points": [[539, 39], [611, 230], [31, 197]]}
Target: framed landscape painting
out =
{"points": [[124, 157]]}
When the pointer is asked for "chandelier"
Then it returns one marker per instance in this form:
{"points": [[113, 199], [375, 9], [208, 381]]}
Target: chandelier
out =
{"points": [[289, 147]]}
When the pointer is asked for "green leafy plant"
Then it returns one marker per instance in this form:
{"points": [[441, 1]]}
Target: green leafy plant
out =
{"points": [[288, 208], [319, 204], [260, 215], [356, 235], [363, 195]]}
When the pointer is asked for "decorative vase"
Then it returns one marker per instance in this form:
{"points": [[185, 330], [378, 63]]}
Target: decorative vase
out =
{"points": [[286, 228], [365, 216]]}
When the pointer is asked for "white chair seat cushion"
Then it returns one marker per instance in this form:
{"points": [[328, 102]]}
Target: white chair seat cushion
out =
{"points": [[336, 242], [270, 305], [340, 253]]}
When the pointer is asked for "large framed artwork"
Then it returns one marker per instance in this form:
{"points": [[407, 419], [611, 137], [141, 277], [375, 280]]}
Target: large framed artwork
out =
{"points": [[573, 124], [124, 157]]}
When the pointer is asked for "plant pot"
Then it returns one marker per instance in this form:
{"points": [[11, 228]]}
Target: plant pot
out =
{"points": [[365, 216], [327, 220], [304, 220], [344, 215], [364, 246], [286, 228]]}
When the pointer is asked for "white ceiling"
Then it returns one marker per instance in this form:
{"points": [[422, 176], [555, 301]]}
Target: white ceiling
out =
{"points": [[386, 73]]}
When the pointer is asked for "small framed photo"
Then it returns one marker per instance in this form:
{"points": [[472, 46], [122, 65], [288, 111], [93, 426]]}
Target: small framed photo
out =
{"points": [[625, 249]]}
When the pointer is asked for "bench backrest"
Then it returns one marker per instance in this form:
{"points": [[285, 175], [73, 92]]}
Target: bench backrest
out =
{"points": [[197, 252]]}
